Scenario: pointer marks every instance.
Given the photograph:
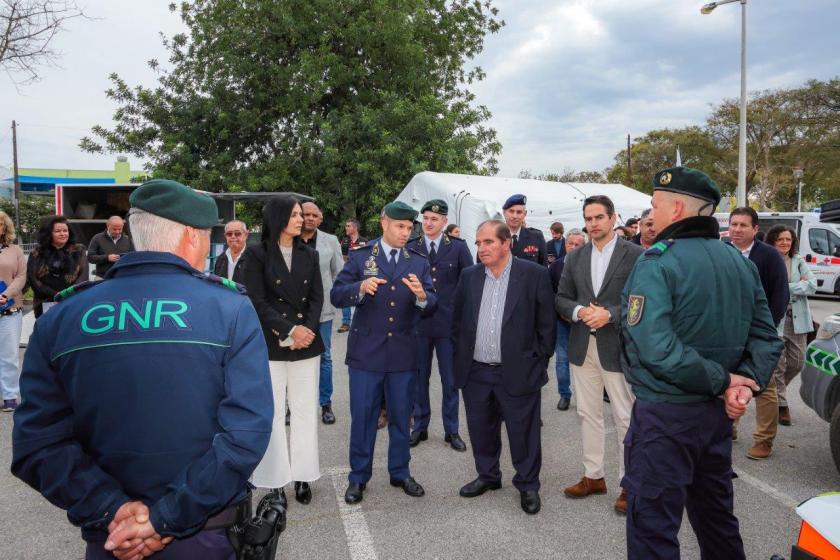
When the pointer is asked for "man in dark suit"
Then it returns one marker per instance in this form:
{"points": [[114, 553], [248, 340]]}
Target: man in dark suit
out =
{"points": [[589, 296], [528, 243], [503, 333], [743, 230], [556, 247], [390, 285], [448, 256], [230, 264]]}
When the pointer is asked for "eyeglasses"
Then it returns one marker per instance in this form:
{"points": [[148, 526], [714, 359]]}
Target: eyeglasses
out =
{"points": [[234, 233]]}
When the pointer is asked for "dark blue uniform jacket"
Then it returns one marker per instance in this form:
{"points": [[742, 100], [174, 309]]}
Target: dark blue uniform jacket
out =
{"points": [[451, 258], [383, 336], [152, 385]]}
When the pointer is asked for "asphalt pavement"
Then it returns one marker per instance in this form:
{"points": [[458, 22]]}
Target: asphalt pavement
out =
{"points": [[441, 525]]}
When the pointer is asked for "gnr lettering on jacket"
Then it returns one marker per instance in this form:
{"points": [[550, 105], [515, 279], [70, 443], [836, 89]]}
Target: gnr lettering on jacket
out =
{"points": [[151, 314]]}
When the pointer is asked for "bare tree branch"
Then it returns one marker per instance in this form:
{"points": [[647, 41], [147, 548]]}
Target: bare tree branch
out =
{"points": [[27, 29]]}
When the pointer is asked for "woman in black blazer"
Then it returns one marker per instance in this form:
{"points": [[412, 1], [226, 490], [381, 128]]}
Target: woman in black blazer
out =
{"points": [[283, 279]]}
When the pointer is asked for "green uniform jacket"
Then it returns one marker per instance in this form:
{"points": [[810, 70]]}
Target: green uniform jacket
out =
{"points": [[693, 310]]}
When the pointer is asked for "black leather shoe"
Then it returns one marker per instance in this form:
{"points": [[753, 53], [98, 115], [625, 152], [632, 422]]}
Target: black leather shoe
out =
{"points": [[303, 493], [530, 500], [417, 437], [606, 396], [354, 493], [327, 416], [281, 495], [288, 416], [563, 404], [409, 486], [478, 487], [455, 441]]}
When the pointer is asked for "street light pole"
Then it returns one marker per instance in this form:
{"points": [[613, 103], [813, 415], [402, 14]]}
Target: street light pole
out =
{"points": [[797, 174], [741, 190]]}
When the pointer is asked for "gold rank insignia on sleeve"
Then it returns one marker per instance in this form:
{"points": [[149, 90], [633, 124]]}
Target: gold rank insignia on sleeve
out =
{"points": [[635, 308]]}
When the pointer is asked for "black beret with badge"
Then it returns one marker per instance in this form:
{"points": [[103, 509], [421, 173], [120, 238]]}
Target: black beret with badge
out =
{"points": [[400, 211], [687, 181], [515, 199], [437, 206], [174, 201]]}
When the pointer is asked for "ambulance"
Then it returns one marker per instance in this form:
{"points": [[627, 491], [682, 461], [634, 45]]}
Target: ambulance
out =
{"points": [[819, 243]]}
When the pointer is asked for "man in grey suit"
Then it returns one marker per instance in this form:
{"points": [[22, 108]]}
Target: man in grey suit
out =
{"points": [[331, 263], [589, 296]]}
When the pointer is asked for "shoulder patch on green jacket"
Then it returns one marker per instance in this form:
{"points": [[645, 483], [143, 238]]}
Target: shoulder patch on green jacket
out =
{"points": [[659, 247], [75, 289], [224, 282]]}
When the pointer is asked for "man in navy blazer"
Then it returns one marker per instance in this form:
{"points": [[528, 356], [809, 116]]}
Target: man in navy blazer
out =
{"points": [[503, 332], [743, 228]]}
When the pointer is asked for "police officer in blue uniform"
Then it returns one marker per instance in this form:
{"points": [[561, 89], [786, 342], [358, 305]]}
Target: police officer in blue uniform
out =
{"points": [[698, 339], [448, 256], [146, 397], [527, 243], [389, 284]]}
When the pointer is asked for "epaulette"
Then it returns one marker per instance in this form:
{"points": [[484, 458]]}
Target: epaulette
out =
{"points": [[224, 282], [659, 247], [75, 289], [447, 239], [418, 239], [533, 229], [364, 245]]}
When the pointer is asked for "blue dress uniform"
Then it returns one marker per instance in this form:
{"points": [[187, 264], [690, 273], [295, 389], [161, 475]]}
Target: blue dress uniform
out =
{"points": [[382, 351], [450, 258], [530, 245], [151, 385], [693, 310]]}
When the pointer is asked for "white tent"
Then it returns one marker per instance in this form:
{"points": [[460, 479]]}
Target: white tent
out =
{"points": [[473, 199]]}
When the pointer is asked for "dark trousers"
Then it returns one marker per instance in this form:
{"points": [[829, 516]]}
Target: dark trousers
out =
{"points": [[680, 456], [366, 391], [487, 404], [206, 545], [449, 401]]}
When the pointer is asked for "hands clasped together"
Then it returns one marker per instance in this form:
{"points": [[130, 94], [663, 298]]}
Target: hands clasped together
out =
{"points": [[131, 535], [738, 395], [594, 316], [302, 337]]}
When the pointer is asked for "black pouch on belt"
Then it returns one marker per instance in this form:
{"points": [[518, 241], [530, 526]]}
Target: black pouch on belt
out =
{"points": [[256, 538]]}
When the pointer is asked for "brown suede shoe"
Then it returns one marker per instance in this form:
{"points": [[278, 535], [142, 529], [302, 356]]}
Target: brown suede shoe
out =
{"points": [[586, 487], [383, 419], [784, 416], [621, 502], [761, 450]]}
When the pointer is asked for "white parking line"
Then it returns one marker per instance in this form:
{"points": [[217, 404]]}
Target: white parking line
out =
{"points": [[784, 499], [359, 541]]}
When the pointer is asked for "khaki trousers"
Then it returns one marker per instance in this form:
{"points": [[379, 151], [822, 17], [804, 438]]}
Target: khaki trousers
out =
{"points": [[590, 380], [791, 361], [766, 414]]}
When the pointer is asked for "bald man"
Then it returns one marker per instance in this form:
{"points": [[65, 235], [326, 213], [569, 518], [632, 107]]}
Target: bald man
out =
{"points": [[108, 246]]}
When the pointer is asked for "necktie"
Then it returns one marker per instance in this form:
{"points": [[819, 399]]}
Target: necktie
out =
{"points": [[432, 251], [515, 239], [393, 258]]}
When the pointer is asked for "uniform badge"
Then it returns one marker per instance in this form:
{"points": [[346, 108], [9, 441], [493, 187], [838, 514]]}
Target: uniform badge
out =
{"points": [[435, 208], [370, 267], [664, 179], [635, 307]]}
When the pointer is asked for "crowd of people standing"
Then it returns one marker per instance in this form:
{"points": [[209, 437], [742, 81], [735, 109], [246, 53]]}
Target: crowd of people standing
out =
{"points": [[605, 302]]}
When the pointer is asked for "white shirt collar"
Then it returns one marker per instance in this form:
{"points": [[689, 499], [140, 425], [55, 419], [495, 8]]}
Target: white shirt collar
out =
{"points": [[387, 248], [437, 241], [746, 252], [608, 247]]}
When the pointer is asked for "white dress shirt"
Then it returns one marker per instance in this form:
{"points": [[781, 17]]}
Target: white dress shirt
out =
{"points": [[599, 262], [231, 262], [746, 252], [435, 241]]}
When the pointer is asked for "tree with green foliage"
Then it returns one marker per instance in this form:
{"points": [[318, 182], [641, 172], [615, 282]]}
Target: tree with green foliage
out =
{"points": [[568, 175], [33, 209], [344, 100]]}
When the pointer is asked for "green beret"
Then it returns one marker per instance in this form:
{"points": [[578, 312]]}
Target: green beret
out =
{"points": [[400, 211], [685, 180], [174, 201], [437, 206]]}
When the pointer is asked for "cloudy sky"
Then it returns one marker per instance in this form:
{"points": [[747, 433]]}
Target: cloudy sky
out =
{"points": [[567, 80]]}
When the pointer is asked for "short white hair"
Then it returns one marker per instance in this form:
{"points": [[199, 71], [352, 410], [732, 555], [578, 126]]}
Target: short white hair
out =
{"points": [[151, 232]]}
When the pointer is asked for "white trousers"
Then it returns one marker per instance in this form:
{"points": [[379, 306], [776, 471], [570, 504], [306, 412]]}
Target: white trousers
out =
{"points": [[297, 460], [590, 380]]}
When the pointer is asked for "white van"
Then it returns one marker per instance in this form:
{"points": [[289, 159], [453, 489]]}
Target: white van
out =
{"points": [[819, 243]]}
